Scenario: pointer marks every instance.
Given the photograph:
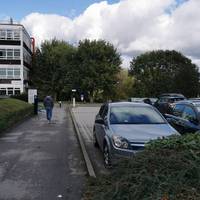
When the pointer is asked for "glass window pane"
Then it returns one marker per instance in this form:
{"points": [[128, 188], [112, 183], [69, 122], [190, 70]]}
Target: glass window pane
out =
{"points": [[10, 92], [16, 35], [134, 115], [2, 91], [2, 34], [9, 53], [9, 34], [2, 53], [17, 71], [189, 113], [2, 71], [16, 53], [17, 91], [9, 73]]}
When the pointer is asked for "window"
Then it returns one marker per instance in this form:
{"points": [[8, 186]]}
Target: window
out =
{"points": [[2, 34], [135, 115], [16, 35], [10, 73], [101, 110], [105, 112], [178, 110], [2, 73], [2, 91], [16, 91], [189, 114], [9, 34], [10, 91], [16, 73], [10, 54], [2, 53], [16, 53]]}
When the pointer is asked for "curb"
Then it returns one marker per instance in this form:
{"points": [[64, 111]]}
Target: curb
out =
{"points": [[83, 148]]}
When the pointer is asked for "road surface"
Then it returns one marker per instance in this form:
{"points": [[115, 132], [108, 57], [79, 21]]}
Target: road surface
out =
{"points": [[42, 161]]}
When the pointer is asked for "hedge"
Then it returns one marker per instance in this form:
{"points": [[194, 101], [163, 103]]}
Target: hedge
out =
{"points": [[168, 169], [13, 111]]}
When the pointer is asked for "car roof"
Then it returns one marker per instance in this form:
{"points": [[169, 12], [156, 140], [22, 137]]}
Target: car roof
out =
{"points": [[194, 102], [129, 104], [171, 95]]}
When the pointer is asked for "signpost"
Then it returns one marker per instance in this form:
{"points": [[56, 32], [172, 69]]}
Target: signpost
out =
{"points": [[31, 94]]}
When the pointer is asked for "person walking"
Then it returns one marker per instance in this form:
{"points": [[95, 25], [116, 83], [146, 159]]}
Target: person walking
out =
{"points": [[48, 104]]}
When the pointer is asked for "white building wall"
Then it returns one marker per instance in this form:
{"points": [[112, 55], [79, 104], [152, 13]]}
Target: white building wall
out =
{"points": [[24, 38]]}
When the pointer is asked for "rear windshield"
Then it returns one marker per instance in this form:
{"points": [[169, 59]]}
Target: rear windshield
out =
{"points": [[135, 115]]}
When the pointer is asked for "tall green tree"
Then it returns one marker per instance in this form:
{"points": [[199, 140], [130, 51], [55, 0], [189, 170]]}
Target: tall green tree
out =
{"points": [[98, 63], [52, 68], [161, 71], [124, 86]]}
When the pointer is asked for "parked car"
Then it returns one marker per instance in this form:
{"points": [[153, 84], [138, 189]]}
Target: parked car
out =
{"points": [[123, 128], [150, 101], [185, 116], [165, 102]]}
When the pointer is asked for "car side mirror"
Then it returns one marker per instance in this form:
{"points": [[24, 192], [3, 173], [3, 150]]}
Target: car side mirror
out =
{"points": [[99, 121]]}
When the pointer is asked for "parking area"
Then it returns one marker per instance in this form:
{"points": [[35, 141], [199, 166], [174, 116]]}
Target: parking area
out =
{"points": [[85, 116]]}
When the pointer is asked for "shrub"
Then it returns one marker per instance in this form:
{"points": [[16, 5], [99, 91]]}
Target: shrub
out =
{"points": [[168, 169], [12, 111], [22, 97]]}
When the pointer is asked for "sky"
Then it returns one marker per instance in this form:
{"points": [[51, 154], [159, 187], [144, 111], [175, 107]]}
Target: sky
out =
{"points": [[133, 26]]}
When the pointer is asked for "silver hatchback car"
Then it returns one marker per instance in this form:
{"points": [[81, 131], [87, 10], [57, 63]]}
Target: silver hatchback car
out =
{"points": [[122, 128]]}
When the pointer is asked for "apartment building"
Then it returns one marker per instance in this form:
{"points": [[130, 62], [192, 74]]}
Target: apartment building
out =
{"points": [[15, 58]]}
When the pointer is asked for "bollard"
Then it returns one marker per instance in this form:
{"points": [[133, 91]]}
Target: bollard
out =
{"points": [[74, 102]]}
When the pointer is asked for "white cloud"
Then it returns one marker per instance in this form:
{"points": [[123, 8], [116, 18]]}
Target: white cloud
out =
{"points": [[133, 26]]}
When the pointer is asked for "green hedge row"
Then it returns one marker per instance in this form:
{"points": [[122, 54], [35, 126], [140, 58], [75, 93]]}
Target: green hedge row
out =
{"points": [[168, 169], [13, 111]]}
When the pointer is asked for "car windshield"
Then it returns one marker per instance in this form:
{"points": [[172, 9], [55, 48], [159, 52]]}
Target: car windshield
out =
{"points": [[198, 108], [135, 115]]}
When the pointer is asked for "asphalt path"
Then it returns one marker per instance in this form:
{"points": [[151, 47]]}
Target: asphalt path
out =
{"points": [[42, 161], [85, 117]]}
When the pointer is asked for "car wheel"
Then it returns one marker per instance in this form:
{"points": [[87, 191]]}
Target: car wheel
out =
{"points": [[106, 157], [95, 140]]}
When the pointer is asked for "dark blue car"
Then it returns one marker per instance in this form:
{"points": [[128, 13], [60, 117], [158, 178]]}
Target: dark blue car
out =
{"points": [[185, 116]]}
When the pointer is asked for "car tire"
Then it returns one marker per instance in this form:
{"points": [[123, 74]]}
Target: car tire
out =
{"points": [[106, 157], [95, 140]]}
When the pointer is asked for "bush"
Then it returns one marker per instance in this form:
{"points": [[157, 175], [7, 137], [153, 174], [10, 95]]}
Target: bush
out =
{"points": [[22, 97], [12, 111], [168, 169]]}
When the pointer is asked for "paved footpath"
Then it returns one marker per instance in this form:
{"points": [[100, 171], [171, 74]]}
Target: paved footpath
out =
{"points": [[41, 161]]}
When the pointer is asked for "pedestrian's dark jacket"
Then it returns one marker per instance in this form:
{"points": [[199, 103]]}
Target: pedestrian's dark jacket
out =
{"points": [[48, 102]]}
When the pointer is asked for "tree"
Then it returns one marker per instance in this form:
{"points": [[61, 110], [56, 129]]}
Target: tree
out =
{"points": [[124, 86], [52, 68], [161, 71], [99, 62]]}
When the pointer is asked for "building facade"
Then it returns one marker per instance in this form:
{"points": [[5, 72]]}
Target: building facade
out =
{"points": [[15, 58]]}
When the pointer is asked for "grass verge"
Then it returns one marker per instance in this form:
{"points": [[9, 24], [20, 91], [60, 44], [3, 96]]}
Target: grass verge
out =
{"points": [[13, 111], [168, 169]]}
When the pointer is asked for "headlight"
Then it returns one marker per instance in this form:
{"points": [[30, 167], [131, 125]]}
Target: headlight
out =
{"points": [[120, 142]]}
